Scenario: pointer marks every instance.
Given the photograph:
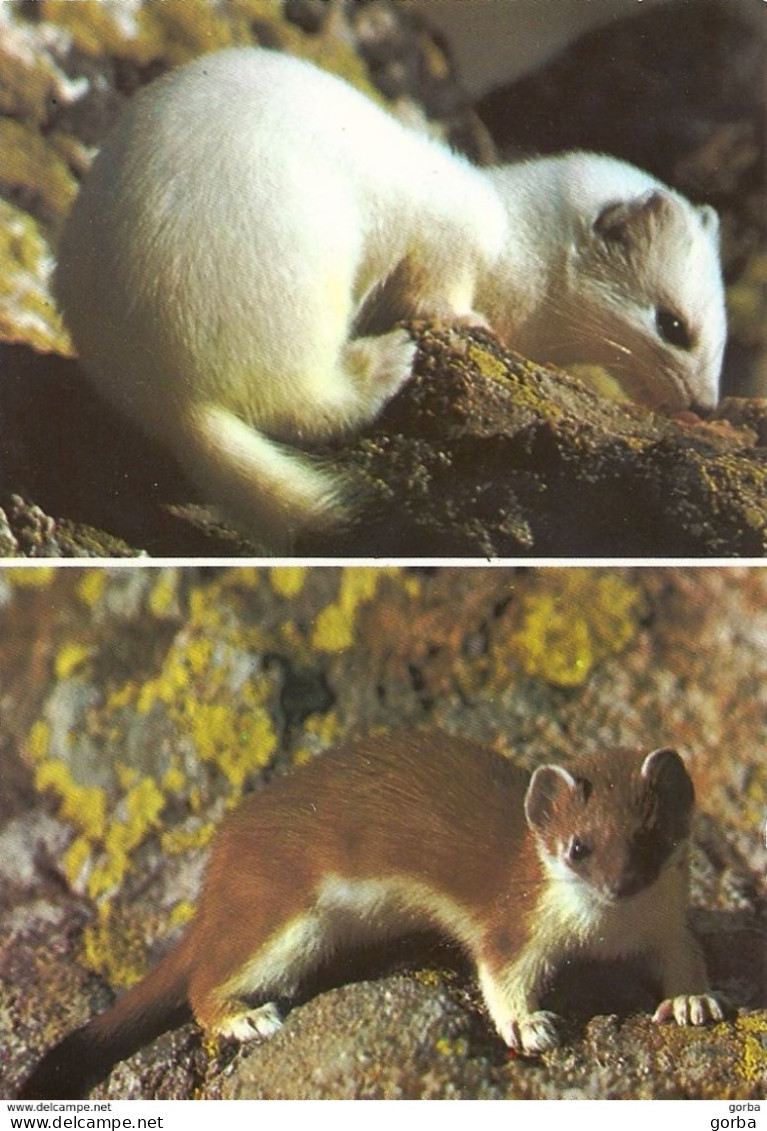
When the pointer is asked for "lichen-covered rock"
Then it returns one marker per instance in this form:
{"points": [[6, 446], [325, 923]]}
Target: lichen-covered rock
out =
{"points": [[140, 703], [486, 454]]}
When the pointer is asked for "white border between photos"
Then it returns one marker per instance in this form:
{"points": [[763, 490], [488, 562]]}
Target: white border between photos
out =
{"points": [[386, 563]]}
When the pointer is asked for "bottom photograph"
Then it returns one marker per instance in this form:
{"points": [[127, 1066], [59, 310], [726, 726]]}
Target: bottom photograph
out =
{"points": [[383, 833]]}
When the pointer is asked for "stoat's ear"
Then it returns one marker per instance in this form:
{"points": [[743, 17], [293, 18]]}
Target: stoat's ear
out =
{"points": [[625, 222], [709, 218], [547, 786], [667, 773]]}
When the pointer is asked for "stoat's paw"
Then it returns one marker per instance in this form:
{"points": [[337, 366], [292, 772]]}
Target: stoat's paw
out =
{"points": [[380, 365], [693, 1009], [533, 1034], [253, 1025], [393, 367], [471, 321]]}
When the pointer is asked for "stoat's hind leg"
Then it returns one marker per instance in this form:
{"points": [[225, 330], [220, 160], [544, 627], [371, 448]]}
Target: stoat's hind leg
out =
{"points": [[247, 1024]]}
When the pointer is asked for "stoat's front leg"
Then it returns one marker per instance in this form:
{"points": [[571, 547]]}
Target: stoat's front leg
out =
{"points": [[687, 998], [512, 992]]}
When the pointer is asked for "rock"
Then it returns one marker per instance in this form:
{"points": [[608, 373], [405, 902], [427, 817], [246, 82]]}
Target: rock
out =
{"points": [[484, 454]]}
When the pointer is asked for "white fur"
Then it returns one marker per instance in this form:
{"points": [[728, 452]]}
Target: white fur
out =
{"points": [[249, 206], [574, 306], [574, 920], [344, 913]]}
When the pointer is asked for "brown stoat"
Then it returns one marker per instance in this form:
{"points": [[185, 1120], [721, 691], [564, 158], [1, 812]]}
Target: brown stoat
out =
{"points": [[389, 835]]}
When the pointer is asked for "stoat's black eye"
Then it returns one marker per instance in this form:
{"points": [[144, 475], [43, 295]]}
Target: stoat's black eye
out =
{"points": [[577, 850], [673, 329]]}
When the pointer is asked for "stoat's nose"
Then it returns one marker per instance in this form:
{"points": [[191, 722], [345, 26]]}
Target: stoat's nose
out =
{"points": [[627, 884]]}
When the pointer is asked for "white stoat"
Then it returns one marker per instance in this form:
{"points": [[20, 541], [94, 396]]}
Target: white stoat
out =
{"points": [[420, 830], [251, 218]]}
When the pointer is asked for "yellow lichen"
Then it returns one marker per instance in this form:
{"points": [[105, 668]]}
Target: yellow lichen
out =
{"points": [[71, 658], [320, 732], [30, 576], [38, 741], [92, 586], [77, 858], [487, 363], [335, 624], [174, 780], [28, 163], [163, 598], [451, 1046], [142, 806], [181, 914], [177, 841], [114, 947], [238, 740], [753, 1063], [27, 311], [85, 806], [571, 620], [288, 581], [186, 28], [205, 690]]}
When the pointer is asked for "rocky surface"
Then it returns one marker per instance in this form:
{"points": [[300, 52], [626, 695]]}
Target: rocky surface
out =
{"points": [[484, 454], [140, 703]]}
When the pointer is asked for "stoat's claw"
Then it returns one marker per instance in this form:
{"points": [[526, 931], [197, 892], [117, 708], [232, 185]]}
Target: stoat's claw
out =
{"points": [[533, 1034], [692, 1009]]}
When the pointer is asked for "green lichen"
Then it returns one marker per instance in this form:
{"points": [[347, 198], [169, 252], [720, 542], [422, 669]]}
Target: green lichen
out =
{"points": [[571, 620]]}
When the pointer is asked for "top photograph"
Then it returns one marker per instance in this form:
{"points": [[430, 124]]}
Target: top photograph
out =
{"points": [[383, 279]]}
